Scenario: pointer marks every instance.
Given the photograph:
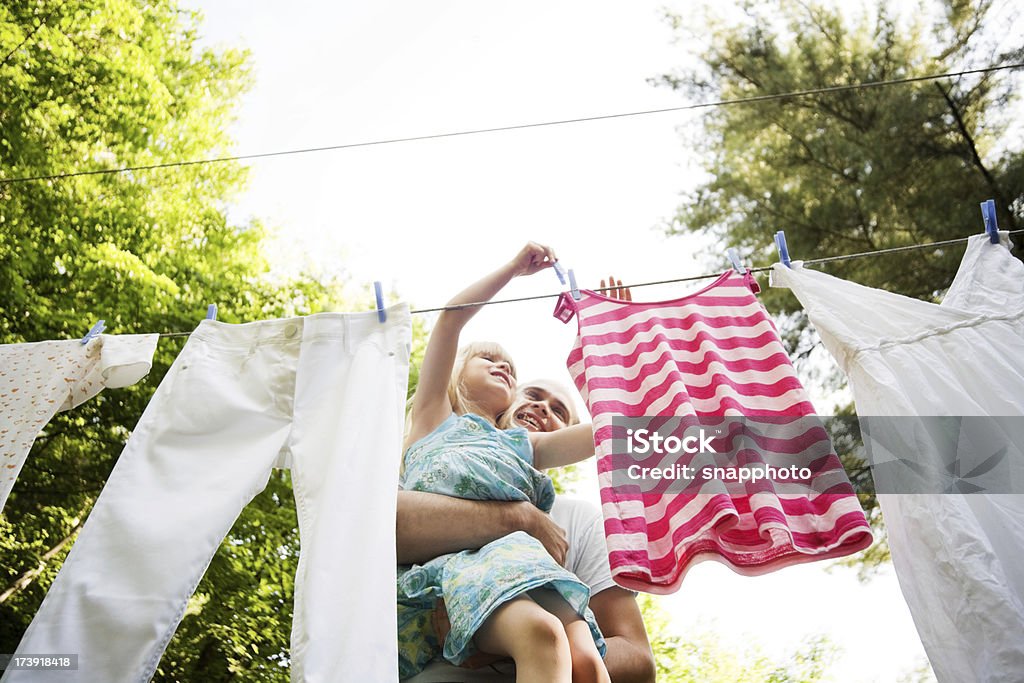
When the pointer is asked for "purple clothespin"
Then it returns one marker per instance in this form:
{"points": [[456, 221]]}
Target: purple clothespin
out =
{"points": [[94, 332], [734, 258], [572, 286], [379, 296], [780, 244], [559, 271], [988, 213]]}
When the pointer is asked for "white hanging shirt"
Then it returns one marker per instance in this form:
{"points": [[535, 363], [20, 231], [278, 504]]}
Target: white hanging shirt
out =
{"points": [[959, 557], [40, 379]]}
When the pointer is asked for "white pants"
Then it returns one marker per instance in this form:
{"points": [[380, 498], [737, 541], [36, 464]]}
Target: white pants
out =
{"points": [[326, 393]]}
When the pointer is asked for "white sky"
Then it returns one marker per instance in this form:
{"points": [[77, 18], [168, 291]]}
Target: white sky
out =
{"points": [[429, 217]]}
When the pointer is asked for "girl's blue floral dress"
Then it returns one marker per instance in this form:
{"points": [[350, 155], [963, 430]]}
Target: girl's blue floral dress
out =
{"points": [[467, 457]]}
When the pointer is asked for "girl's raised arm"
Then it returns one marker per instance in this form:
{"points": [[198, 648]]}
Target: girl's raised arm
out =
{"points": [[430, 406]]}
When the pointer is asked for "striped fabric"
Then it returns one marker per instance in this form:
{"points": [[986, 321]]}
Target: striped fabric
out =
{"points": [[712, 353]]}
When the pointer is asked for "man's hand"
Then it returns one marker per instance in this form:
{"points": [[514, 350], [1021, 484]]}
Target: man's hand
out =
{"points": [[540, 525], [615, 290]]}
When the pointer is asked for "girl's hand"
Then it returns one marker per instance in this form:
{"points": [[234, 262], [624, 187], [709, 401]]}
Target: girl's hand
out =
{"points": [[532, 258]]}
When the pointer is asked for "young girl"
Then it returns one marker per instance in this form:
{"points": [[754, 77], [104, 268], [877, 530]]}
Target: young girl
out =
{"points": [[510, 597]]}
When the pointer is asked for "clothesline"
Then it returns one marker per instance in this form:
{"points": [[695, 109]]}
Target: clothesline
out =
{"points": [[943, 365], [762, 269], [498, 129]]}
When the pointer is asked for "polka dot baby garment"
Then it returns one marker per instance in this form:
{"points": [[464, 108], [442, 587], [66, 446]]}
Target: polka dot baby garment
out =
{"points": [[39, 379]]}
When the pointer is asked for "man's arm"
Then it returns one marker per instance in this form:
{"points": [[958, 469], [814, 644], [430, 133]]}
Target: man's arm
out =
{"points": [[629, 658], [429, 524], [563, 447]]}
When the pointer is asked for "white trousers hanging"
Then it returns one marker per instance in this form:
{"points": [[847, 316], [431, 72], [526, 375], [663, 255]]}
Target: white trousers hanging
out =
{"points": [[327, 391]]}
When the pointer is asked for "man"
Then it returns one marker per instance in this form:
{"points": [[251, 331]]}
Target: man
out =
{"points": [[430, 525]]}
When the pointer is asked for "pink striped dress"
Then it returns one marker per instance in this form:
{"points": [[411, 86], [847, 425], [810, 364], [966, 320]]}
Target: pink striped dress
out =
{"points": [[709, 354]]}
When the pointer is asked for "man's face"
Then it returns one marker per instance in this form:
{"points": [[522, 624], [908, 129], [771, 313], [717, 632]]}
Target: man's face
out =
{"points": [[540, 410]]}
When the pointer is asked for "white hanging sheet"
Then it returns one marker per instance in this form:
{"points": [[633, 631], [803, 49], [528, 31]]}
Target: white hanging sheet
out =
{"points": [[959, 556]]}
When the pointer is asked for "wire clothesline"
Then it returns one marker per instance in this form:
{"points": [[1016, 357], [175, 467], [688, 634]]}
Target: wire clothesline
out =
{"points": [[478, 131], [761, 269]]}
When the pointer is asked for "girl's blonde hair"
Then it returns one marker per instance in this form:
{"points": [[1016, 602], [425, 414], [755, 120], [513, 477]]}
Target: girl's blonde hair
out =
{"points": [[461, 404], [456, 394]]}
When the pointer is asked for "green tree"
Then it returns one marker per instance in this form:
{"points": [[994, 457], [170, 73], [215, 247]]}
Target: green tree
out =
{"points": [[701, 658], [856, 170], [88, 85]]}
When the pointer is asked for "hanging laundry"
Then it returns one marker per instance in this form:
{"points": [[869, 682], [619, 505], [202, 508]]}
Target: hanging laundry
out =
{"points": [[712, 353], [329, 390], [40, 379], [957, 556]]}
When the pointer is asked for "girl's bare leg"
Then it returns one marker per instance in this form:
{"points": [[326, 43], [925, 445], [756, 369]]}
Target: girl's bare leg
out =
{"points": [[533, 637], [587, 665]]}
